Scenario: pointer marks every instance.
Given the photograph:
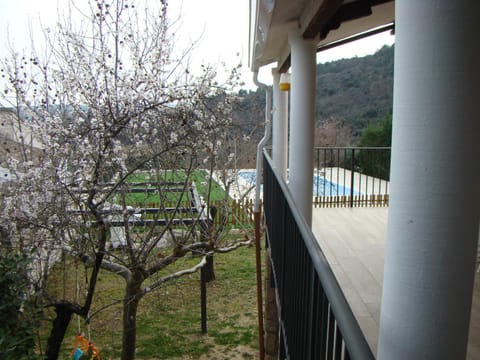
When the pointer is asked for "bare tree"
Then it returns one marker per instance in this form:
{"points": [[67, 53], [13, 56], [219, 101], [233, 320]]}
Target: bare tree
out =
{"points": [[332, 132], [117, 110]]}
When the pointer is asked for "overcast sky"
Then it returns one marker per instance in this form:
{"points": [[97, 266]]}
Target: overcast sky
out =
{"points": [[222, 26]]}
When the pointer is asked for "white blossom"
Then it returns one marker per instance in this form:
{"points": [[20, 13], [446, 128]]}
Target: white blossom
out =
{"points": [[104, 106]]}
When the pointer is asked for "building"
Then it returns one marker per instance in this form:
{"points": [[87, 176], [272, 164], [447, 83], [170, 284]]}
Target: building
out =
{"points": [[434, 206], [16, 136]]}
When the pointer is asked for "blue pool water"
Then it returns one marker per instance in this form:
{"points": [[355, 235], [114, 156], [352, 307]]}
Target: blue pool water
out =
{"points": [[249, 176], [321, 186], [324, 187]]}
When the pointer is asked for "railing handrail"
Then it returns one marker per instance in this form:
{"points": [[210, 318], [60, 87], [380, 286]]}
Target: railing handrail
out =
{"points": [[354, 147], [352, 334]]}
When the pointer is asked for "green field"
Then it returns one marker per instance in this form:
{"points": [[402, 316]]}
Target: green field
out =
{"points": [[169, 319]]}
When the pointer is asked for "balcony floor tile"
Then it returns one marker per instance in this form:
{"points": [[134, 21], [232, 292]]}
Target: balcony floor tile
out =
{"points": [[353, 240]]}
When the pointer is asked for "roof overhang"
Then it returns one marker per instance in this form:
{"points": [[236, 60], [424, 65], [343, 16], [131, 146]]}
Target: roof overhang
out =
{"points": [[331, 22]]}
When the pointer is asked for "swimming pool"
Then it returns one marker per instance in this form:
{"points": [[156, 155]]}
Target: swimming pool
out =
{"points": [[324, 187], [321, 186]]}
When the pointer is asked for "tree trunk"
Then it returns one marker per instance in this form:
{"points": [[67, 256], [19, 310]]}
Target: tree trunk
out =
{"points": [[206, 229], [209, 269], [59, 327], [130, 306], [66, 309]]}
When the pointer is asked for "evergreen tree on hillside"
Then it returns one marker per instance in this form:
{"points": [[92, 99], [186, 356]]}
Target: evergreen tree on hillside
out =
{"points": [[376, 163], [378, 134]]}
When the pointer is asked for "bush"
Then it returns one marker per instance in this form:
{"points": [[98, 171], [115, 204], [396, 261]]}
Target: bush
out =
{"points": [[371, 162], [19, 321]]}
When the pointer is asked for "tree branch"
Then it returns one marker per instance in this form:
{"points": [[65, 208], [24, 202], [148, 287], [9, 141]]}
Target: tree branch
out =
{"points": [[234, 246], [175, 275], [178, 253], [117, 269]]}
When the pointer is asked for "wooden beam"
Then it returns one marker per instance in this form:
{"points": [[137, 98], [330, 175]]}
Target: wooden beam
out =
{"points": [[330, 16], [325, 12]]}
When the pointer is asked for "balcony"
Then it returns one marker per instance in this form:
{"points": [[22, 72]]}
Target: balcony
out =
{"points": [[329, 280], [353, 241]]}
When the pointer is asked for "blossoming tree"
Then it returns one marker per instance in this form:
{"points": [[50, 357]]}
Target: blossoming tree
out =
{"points": [[116, 109]]}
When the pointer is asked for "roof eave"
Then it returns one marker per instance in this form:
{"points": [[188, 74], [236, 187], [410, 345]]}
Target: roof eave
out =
{"points": [[331, 21]]}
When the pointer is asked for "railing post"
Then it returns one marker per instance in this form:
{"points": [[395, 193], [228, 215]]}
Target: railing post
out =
{"points": [[352, 172], [311, 321]]}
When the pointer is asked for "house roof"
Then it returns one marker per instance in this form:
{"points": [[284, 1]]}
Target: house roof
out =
{"points": [[331, 22]]}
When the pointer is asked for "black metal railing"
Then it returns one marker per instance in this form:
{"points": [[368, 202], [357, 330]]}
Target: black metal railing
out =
{"points": [[316, 321], [353, 176]]}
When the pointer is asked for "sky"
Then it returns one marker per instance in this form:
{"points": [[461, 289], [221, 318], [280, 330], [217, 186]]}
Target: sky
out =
{"points": [[221, 26]]}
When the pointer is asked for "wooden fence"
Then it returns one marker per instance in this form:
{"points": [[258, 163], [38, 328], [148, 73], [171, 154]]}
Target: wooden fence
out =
{"points": [[237, 212], [347, 201]]}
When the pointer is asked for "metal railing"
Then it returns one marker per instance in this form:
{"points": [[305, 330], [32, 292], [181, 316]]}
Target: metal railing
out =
{"points": [[315, 319], [351, 176]]}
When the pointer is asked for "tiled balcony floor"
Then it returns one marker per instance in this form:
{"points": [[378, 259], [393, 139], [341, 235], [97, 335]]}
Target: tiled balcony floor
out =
{"points": [[353, 241]]}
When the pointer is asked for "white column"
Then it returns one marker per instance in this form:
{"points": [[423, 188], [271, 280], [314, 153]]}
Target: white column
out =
{"points": [[302, 122], [280, 126], [435, 187]]}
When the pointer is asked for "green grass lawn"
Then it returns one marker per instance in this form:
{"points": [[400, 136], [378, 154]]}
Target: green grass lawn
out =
{"points": [[199, 177], [169, 319]]}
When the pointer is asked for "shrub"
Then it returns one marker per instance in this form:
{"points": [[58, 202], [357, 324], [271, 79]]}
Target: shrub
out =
{"points": [[19, 321]]}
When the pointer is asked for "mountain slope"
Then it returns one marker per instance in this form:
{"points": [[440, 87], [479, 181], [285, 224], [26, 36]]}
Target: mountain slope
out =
{"points": [[356, 91]]}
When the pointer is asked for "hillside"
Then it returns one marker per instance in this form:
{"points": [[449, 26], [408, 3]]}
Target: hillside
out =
{"points": [[351, 92], [356, 91]]}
